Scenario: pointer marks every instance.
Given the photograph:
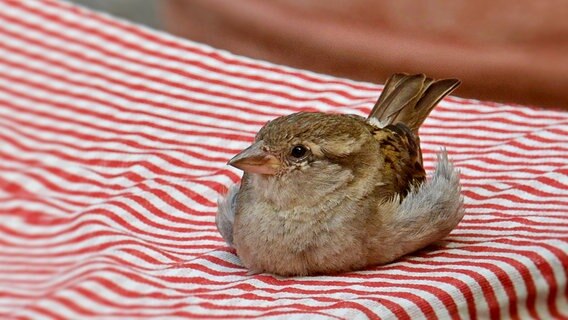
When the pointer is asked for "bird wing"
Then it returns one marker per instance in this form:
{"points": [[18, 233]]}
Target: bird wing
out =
{"points": [[399, 112], [402, 158]]}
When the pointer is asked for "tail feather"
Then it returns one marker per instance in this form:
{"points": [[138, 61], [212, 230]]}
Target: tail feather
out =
{"points": [[410, 99], [392, 82]]}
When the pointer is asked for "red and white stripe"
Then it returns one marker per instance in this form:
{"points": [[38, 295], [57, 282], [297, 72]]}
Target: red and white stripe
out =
{"points": [[113, 144]]}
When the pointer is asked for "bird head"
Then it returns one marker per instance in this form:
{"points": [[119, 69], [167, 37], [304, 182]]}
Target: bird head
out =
{"points": [[302, 143]]}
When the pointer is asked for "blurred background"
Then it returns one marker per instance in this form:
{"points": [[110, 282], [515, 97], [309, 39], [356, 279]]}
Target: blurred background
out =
{"points": [[513, 51]]}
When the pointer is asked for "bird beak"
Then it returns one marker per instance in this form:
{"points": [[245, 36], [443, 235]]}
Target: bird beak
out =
{"points": [[255, 160]]}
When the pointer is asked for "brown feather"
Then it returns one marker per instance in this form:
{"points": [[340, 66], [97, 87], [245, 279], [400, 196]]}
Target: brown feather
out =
{"points": [[402, 159], [430, 98], [403, 106], [409, 99]]}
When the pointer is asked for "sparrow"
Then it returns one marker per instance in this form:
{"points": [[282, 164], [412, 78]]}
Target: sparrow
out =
{"points": [[328, 193]]}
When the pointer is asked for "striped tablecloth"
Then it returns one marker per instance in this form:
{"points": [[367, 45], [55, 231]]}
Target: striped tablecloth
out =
{"points": [[113, 144]]}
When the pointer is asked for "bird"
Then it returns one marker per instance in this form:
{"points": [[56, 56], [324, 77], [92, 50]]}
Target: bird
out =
{"points": [[326, 193]]}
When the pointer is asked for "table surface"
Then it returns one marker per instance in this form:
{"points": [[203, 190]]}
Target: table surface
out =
{"points": [[113, 144]]}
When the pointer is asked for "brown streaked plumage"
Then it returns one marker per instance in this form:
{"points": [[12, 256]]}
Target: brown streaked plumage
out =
{"points": [[325, 193]]}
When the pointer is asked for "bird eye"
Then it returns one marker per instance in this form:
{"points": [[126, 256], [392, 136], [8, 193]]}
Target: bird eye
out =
{"points": [[298, 151]]}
